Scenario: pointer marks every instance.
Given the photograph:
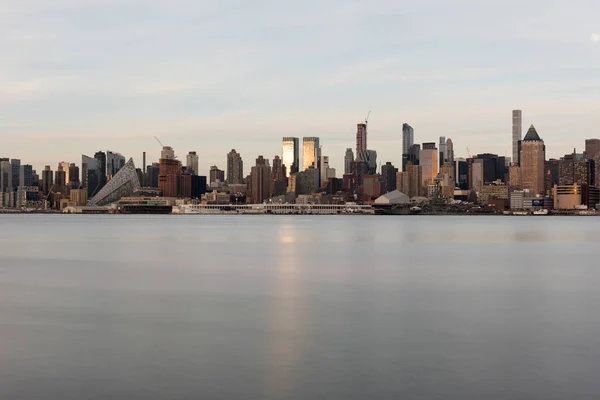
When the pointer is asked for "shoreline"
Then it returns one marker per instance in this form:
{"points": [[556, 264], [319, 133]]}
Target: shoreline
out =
{"points": [[422, 214]]}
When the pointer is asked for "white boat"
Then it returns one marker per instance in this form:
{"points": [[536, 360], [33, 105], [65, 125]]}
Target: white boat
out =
{"points": [[541, 212], [587, 212], [521, 213]]}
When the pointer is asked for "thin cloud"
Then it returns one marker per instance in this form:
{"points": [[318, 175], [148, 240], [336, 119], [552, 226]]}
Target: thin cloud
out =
{"points": [[211, 75]]}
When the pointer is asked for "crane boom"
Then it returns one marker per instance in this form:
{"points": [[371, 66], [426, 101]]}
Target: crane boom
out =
{"points": [[367, 119], [51, 191], [159, 142]]}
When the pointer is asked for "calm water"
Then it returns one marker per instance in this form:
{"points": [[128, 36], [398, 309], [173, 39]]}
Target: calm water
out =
{"points": [[247, 307]]}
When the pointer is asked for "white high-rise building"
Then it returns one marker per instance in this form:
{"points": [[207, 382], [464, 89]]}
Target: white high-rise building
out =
{"points": [[443, 151], [192, 162], [324, 170]]}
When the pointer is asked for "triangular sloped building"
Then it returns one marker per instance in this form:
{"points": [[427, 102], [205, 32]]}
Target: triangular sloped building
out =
{"points": [[121, 185]]}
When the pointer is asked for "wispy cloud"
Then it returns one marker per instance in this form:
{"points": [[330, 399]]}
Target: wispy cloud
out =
{"points": [[233, 73]]}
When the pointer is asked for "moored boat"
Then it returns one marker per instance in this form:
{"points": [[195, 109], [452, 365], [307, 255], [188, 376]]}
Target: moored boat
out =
{"points": [[587, 212]]}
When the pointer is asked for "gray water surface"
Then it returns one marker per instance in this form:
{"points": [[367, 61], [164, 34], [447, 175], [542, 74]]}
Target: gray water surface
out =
{"points": [[267, 307]]}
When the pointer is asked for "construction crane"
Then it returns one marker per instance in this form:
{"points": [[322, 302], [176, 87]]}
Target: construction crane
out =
{"points": [[469, 152], [162, 145], [50, 192], [367, 119]]}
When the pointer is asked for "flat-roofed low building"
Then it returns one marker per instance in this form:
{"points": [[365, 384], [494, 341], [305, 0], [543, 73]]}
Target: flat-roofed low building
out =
{"points": [[238, 188], [215, 197], [147, 192], [27, 196], [498, 191], [79, 197], [537, 202], [567, 197], [517, 198], [307, 199], [146, 205]]}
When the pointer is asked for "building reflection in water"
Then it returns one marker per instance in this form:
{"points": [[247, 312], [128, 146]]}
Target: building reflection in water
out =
{"points": [[287, 316]]}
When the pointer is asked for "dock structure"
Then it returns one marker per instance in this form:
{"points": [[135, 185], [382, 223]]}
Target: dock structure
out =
{"points": [[279, 209]]}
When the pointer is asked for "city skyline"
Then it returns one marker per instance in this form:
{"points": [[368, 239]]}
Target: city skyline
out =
{"points": [[436, 175], [579, 143], [274, 70]]}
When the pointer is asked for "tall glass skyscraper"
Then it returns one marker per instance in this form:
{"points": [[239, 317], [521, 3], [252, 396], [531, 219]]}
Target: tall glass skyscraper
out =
{"points": [[517, 132], [408, 138], [291, 155], [114, 162], [101, 157], [310, 156], [15, 171], [91, 173]]}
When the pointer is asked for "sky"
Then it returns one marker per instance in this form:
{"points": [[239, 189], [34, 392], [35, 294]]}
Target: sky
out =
{"points": [[78, 76]]}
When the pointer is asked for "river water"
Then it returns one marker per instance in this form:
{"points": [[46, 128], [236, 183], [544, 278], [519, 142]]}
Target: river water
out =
{"points": [[299, 307]]}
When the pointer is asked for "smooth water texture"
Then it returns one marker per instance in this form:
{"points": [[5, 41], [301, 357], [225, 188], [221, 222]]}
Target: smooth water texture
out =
{"points": [[299, 307]]}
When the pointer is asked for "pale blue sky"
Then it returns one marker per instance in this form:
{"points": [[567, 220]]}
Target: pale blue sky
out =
{"points": [[79, 76]]}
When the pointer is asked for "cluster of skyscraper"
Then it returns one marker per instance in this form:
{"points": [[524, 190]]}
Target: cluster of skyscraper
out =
{"points": [[428, 170], [21, 185]]}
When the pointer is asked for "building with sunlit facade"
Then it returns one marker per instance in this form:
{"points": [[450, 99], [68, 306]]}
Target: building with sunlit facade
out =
{"points": [[291, 155], [310, 146]]}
